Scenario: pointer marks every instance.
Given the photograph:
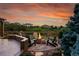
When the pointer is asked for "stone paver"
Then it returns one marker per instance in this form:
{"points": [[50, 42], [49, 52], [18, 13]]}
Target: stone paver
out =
{"points": [[42, 49]]}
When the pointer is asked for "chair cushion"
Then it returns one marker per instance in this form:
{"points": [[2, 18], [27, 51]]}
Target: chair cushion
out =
{"points": [[50, 41], [32, 41]]}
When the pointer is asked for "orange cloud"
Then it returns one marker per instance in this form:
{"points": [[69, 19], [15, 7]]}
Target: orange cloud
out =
{"points": [[36, 12]]}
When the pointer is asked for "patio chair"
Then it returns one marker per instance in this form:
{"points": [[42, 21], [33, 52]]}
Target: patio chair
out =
{"points": [[52, 42], [31, 41]]}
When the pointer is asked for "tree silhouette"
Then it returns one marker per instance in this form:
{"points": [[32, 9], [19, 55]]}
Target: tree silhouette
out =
{"points": [[69, 42], [73, 24]]}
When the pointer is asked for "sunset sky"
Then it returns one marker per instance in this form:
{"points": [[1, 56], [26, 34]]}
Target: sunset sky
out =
{"points": [[37, 14]]}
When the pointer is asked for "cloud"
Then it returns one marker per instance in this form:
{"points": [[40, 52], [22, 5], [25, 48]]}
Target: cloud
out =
{"points": [[37, 13]]}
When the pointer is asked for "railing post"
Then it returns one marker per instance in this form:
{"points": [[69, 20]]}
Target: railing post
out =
{"points": [[24, 45], [2, 26]]}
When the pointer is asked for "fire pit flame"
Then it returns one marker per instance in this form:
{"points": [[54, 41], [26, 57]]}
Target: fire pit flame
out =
{"points": [[39, 36]]}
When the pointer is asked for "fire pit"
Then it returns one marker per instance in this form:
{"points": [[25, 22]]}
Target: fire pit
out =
{"points": [[40, 40]]}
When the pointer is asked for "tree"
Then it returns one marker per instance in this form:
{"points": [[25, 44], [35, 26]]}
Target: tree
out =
{"points": [[73, 24], [75, 28], [70, 41]]}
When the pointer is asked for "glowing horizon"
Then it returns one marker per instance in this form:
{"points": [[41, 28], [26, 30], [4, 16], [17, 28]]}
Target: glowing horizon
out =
{"points": [[37, 14]]}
